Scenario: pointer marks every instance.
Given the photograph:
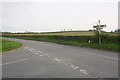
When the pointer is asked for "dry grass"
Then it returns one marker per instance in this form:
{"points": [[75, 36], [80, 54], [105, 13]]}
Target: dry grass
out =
{"points": [[77, 33], [73, 33]]}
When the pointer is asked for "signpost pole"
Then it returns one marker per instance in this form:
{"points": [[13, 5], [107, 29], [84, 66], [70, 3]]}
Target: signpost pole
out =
{"points": [[99, 30]]}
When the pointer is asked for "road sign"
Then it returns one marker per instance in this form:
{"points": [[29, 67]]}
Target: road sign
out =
{"points": [[98, 28], [95, 26], [102, 25]]}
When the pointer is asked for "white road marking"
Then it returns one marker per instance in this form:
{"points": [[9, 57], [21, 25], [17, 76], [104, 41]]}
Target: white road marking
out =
{"points": [[40, 51], [36, 53], [41, 55], [74, 66], [29, 49], [57, 59], [108, 57], [83, 71], [32, 49], [45, 54], [100, 55], [15, 61]]}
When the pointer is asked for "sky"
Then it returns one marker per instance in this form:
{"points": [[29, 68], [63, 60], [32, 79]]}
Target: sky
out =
{"points": [[57, 15]]}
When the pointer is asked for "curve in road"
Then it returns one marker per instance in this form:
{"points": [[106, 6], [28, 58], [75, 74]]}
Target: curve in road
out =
{"points": [[49, 60]]}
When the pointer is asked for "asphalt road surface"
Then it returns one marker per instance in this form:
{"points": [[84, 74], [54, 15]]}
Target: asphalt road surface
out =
{"points": [[49, 60]]}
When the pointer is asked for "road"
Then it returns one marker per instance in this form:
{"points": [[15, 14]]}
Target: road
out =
{"points": [[49, 60]]}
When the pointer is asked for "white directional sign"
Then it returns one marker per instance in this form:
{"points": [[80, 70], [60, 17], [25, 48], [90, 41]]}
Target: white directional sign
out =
{"points": [[102, 25], [98, 28]]}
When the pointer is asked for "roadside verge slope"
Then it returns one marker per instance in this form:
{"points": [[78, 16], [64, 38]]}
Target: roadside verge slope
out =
{"points": [[8, 45]]}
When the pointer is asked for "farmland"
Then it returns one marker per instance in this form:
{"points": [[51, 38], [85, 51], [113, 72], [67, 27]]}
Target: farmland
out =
{"points": [[67, 33]]}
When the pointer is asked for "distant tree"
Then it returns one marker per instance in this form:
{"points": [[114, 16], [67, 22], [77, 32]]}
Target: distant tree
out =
{"points": [[96, 32], [117, 30], [90, 30], [6, 32], [111, 31]]}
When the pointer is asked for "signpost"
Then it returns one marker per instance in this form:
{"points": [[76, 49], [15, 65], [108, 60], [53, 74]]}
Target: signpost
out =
{"points": [[98, 28]]}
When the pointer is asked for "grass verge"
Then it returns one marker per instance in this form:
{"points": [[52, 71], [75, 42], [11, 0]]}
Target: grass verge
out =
{"points": [[7, 45], [105, 46]]}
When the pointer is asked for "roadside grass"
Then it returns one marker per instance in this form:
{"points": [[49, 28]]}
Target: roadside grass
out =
{"points": [[7, 45], [0, 45], [105, 46]]}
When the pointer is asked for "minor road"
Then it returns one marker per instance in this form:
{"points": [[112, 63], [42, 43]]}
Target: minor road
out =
{"points": [[49, 60]]}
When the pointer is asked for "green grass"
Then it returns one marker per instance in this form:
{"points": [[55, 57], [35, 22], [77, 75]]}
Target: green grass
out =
{"points": [[0, 45], [7, 45], [105, 46]]}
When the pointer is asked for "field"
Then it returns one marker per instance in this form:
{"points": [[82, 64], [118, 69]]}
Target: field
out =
{"points": [[67, 33], [8, 45]]}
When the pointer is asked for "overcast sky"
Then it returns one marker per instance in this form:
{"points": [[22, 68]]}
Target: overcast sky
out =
{"points": [[54, 15]]}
